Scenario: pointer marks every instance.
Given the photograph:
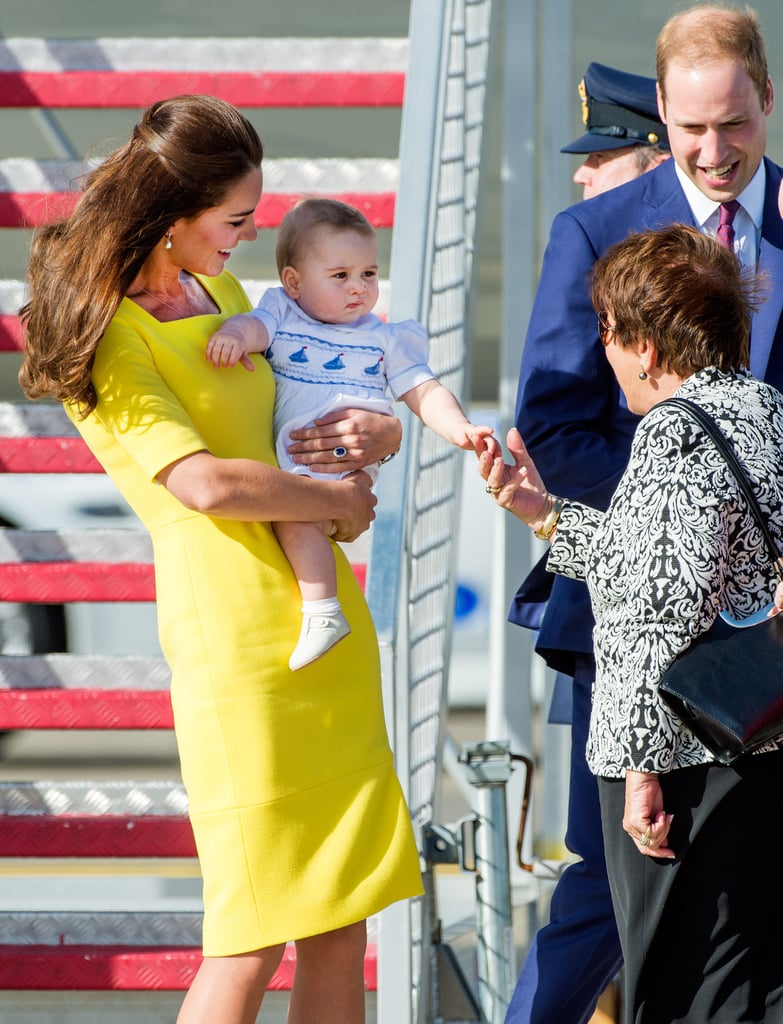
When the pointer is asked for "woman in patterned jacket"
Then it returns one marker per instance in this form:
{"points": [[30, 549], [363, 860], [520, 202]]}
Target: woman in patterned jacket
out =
{"points": [[685, 836]]}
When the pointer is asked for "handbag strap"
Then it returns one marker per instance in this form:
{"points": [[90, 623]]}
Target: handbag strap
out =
{"points": [[726, 449]]}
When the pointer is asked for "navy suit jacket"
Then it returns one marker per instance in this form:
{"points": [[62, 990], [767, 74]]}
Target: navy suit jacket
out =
{"points": [[570, 410]]}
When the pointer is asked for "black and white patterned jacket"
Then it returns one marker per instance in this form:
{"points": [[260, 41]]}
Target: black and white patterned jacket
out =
{"points": [[676, 544]]}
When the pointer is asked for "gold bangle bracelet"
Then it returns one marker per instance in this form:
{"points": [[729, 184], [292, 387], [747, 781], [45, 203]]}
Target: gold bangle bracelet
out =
{"points": [[387, 458], [549, 525]]}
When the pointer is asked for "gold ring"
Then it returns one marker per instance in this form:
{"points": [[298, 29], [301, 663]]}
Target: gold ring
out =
{"points": [[645, 839], [493, 490]]}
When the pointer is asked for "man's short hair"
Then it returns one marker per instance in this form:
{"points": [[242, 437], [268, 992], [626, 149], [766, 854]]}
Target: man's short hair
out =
{"points": [[710, 32]]}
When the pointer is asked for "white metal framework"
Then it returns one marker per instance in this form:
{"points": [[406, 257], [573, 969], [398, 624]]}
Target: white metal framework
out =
{"points": [[411, 569]]}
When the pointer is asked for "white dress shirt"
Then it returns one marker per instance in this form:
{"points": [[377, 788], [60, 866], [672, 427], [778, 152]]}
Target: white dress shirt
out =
{"points": [[747, 220]]}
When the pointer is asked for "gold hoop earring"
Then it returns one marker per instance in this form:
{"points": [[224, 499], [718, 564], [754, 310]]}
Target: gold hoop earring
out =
{"points": [[169, 242]]}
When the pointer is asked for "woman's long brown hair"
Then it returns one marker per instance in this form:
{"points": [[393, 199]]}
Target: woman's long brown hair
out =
{"points": [[182, 158]]}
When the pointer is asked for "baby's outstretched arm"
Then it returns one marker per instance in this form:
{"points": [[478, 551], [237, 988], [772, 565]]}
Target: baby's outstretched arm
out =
{"points": [[481, 439], [235, 339], [439, 409]]}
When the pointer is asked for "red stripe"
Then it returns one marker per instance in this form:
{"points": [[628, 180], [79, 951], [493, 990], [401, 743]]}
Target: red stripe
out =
{"points": [[378, 207], [112, 89], [46, 455], [360, 572], [32, 209], [61, 582], [10, 333], [98, 968], [87, 836], [85, 709], [128, 968]]}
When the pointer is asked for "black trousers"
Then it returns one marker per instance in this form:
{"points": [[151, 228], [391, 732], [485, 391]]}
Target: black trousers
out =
{"points": [[702, 936]]}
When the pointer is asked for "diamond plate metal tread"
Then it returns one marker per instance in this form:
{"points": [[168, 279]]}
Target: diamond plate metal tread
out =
{"points": [[82, 837], [325, 175], [60, 566], [85, 709], [88, 545], [94, 819], [367, 183], [63, 582], [104, 950], [144, 55], [84, 671], [250, 72], [128, 968], [100, 928], [91, 969], [20, 419], [91, 691], [85, 796], [47, 455]]}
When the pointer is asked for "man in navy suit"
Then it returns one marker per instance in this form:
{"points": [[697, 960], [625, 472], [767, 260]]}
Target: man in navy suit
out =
{"points": [[714, 95], [624, 138]]}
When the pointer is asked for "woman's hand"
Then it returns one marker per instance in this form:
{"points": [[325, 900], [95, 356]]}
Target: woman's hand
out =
{"points": [[367, 437], [644, 819], [518, 488], [360, 505], [777, 600]]}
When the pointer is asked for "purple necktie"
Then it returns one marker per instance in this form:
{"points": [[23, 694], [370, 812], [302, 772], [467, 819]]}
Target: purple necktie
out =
{"points": [[725, 232]]}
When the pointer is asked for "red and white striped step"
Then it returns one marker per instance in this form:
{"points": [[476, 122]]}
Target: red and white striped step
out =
{"points": [[132, 951], [249, 72]]}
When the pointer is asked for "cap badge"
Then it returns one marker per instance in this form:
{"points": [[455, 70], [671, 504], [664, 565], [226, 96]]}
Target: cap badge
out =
{"points": [[583, 98]]}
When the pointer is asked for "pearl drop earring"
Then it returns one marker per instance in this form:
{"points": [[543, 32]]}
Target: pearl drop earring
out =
{"points": [[642, 375], [169, 243]]}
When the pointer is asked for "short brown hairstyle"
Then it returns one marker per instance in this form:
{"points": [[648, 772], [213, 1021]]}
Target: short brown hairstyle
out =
{"points": [[298, 224], [710, 32], [682, 290]]}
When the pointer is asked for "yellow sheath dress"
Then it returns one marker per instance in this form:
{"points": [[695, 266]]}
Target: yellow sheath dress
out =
{"points": [[299, 819]]}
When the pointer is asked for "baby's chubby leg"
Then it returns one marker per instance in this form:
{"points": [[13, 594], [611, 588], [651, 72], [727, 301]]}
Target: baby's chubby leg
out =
{"points": [[310, 554]]}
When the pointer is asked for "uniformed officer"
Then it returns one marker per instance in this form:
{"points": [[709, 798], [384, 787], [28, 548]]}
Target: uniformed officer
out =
{"points": [[624, 136]]}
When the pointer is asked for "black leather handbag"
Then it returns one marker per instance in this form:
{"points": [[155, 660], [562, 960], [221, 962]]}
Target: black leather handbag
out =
{"points": [[727, 687]]}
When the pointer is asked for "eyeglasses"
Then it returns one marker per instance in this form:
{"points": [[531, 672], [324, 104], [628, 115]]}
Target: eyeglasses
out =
{"points": [[604, 328]]}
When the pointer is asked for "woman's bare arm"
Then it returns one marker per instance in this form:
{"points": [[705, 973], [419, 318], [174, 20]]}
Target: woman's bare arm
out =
{"points": [[252, 491]]}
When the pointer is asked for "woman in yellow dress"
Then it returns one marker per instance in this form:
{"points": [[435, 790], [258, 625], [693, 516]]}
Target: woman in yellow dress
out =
{"points": [[301, 827]]}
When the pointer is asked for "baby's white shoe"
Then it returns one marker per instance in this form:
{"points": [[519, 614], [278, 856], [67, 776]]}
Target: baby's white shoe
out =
{"points": [[319, 634]]}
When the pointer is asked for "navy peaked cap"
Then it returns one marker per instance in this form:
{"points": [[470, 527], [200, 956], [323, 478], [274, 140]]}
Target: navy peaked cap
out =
{"points": [[618, 109]]}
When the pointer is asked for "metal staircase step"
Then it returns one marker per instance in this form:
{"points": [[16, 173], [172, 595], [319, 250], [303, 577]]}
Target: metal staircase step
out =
{"points": [[106, 950], [94, 819]]}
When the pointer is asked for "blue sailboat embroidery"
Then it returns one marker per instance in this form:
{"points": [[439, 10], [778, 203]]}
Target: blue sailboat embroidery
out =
{"points": [[336, 363], [375, 369], [300, 356]]}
